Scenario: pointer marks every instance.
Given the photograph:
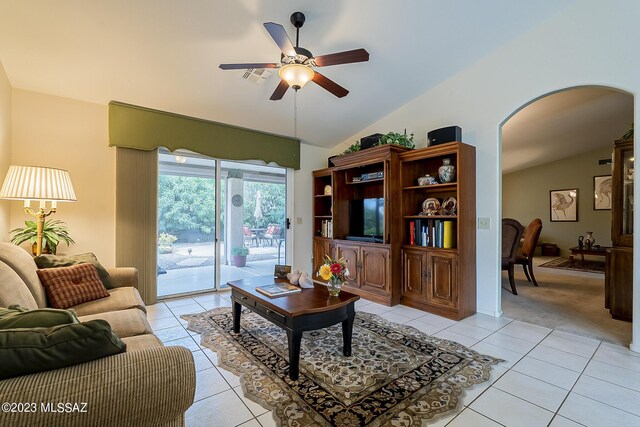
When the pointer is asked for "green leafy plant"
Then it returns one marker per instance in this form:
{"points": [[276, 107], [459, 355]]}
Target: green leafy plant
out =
{"points": [[165, 243], [53, 232], [353, 148], [240, 251], [400, 139], [629, 133]]}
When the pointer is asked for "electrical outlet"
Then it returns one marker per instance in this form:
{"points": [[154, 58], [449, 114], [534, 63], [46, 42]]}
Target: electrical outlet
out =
{"points": [[484, 223]]}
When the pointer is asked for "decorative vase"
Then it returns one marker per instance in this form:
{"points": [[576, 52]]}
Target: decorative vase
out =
{"points": [[334, 286], [447, 172], [589, 241]]}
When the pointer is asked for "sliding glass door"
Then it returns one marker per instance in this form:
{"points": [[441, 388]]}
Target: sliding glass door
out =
{"points": [[205, 241], [186, 224]]}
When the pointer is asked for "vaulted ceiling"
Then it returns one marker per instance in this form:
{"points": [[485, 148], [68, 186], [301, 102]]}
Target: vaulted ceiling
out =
{"points": [[164, 54]]}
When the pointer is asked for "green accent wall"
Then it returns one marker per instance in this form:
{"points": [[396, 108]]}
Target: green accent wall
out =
{"points": [[131, 126], [525, 196]]}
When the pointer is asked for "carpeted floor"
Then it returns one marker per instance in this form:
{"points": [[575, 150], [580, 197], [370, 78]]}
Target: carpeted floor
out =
{"points": [[576, 264], [396, 375], [569, 301]]}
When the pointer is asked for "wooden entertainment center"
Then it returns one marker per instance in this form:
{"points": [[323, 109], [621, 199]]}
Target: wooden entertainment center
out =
{"points": [[390, 270]]}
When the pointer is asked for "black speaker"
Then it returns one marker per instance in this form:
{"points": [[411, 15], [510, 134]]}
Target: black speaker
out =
{"points": [[444, 135], [369, 141]]}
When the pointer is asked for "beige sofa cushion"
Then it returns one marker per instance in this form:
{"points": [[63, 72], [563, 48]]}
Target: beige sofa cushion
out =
{"points": [[13, 290], [125, 323], [23, 264], [119, 299], [141, 342]]}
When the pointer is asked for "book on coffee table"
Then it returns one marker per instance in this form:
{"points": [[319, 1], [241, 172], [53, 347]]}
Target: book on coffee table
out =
{"points": [[278, 289]]}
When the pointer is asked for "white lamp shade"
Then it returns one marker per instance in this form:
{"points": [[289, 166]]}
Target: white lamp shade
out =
{"points": [[296, 75], [37, 183]]}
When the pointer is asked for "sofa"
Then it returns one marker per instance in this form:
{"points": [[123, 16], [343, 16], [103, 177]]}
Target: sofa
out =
{"points": [[148, 385]]}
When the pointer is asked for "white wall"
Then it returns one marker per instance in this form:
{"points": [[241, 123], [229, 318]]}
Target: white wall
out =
{"points": [[73, 135], [588, 43], [5, 148]]}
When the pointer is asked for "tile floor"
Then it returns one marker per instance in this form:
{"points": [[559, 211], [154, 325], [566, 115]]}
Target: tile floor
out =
{"points": [[550, 378]]}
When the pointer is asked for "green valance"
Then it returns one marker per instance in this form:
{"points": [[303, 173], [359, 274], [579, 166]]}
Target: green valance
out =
{"points": [[131, 126]]}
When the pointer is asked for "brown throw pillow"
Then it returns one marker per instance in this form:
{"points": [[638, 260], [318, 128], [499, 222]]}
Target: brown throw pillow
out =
{"points": [[69, 286]]}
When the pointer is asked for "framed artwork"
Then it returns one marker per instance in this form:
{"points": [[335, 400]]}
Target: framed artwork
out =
{"points": [[280, 271], [602, 192], [563, 205]]}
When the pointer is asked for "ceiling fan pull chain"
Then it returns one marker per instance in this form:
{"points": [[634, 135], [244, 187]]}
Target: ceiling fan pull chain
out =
{"points": [[295, 114]]}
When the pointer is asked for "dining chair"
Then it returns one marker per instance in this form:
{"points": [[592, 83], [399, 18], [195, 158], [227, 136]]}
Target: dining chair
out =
{"points": [[524, 256], [511, 233]]}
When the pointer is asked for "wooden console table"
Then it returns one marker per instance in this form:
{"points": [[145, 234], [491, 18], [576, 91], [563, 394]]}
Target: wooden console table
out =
{"points": [[599, 251]]}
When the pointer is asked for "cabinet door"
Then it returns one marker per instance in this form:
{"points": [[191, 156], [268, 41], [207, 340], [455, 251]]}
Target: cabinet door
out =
{"points": [[375, 276], [621, 283], [320, 249], [442, 289], [352, 254], [414, 278]]}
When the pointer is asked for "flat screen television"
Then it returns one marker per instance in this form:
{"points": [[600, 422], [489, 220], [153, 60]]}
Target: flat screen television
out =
{"points": [[366, 220]]}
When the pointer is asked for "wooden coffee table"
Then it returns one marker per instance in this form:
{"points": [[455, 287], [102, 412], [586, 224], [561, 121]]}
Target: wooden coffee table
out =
{"points": [[308, 310], [599, 251]]}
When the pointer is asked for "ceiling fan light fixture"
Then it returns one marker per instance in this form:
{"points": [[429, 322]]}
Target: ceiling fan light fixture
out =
{"points": [[296, 75]]}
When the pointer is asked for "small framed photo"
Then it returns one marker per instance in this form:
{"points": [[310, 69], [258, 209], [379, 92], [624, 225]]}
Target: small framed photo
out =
{"points": [[602, 192], [281, 271], [563, 205]]}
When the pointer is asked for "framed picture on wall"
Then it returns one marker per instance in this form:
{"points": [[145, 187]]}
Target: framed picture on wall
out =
{"points": [[563, 205], [602, 192]]}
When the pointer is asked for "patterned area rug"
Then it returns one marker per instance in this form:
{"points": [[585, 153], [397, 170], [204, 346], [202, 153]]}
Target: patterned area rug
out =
{"points": [[576, 264], [396, 376]]}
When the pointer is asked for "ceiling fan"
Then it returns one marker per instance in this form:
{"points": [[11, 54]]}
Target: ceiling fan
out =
{"points": [[297, 63]]}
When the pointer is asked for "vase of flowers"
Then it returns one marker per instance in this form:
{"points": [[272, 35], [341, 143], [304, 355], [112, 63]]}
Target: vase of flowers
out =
{"points": [[335, 272]]}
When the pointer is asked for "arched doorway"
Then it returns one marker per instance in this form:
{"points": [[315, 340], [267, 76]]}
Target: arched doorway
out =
{"points": [[560, 142]]}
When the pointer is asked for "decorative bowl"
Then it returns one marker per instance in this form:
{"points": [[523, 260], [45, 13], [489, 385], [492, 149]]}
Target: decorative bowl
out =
{"points": [[427, 180]]}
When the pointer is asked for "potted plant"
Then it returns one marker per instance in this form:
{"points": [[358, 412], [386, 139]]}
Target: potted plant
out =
{"points": [[400, 139], [165, 243], [240, 256], [53, 232]]}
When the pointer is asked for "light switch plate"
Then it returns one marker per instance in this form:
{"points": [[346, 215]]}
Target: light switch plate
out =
{"points": [[484, 223], [298, 220]]}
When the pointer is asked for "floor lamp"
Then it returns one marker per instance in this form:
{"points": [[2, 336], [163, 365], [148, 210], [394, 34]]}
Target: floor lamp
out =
{"points": [[39, 184]]}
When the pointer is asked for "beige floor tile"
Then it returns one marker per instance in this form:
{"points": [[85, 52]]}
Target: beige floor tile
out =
{"points": [[621, 359], [509, 357], [509, 410], [470, 331], [434, 320], [163, 323], [469, 417], [232, 379], [510, 343], [487, 322], [592, 413], [609, 394], [208, 383], [410, 312], [526, 331], [559, 421], [423, 327], [225, 409], [570, 346], [266, 420], [559, 358], [201, 361], [170, 334], [532, 390], [177, 302], [545, 371], [187, 342], [613, 374], [250, 423], [194, 308], [452, 336], [391, 316]]}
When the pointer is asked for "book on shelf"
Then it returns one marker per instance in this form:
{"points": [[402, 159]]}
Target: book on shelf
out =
{"points": [[412, 233], [278, 289], [449, 239], [327, 228]]}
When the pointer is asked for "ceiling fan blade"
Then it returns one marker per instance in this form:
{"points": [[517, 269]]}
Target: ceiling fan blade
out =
{"points": [[249, 65], [281, 89], [329, 85], [347, 57], [279, 35]]}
